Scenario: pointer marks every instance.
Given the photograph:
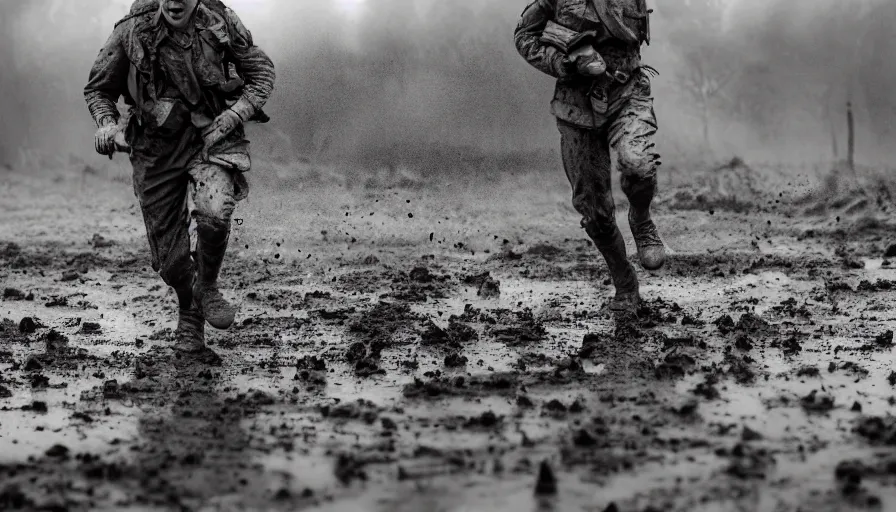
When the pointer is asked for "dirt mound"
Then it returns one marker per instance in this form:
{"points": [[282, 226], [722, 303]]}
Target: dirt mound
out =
{"points": [[732, 186]]}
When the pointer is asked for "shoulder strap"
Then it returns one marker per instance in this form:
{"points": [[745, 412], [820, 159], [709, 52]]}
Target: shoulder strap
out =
{"points": [[615, 25]]}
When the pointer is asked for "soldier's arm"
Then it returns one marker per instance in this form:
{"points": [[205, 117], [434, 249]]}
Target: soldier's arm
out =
{"points": [[108, 79], [253, 65], [527, 37]]}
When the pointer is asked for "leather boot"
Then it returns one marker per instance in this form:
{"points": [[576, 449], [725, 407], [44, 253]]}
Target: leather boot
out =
{"points": [[640, 193], [213, 235], [625, 280], [190, 333], [651, 250]]}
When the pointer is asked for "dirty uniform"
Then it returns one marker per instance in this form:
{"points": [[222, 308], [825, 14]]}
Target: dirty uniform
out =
{"points": [[176, 84], [597, 115]]}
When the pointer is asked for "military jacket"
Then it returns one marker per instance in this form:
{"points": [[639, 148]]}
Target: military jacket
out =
{"points": [[175, 79], [617, 29]]}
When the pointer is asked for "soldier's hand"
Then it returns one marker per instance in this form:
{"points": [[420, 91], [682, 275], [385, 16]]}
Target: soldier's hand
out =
{"points": [[104, 139], [588, 62], [220, 128]]}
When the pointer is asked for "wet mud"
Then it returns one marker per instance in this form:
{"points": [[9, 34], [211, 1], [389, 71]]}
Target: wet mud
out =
{"points": [[437, 350]]}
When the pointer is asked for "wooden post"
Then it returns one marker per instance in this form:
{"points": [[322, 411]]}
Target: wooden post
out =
{"points": [[850, 120]]}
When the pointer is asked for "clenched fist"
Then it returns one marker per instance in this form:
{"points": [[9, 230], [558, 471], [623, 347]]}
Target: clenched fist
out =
{"points": [[104, 139]]}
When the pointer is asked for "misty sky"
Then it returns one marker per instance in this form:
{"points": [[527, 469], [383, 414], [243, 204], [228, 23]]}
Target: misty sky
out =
{"points": [[360, 77]]}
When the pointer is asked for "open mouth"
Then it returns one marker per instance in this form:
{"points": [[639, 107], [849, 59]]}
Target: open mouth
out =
{"points": [[175, 10]]}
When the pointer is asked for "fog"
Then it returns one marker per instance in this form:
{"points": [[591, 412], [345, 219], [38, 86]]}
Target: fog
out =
{"points": [[382, 80]]}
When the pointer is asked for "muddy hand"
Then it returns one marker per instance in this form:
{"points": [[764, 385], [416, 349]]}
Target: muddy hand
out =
{"points": [[104, 138], [588, 62], [220, 128]]}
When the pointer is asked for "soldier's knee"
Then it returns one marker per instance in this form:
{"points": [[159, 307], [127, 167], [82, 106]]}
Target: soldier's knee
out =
{"points": [[638, 164], [214, 201]]}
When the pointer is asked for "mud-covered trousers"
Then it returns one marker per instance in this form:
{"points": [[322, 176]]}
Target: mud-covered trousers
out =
{"points": [[629, 133], [163, 191]]}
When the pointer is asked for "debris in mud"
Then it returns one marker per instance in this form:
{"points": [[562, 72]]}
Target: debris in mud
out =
{"points": [[652, 313], [741, 368], [808, 371], [707, 389], [687, 408], [674, 366], [849, 367], [686, 341], [591, 343], [490, 288], [752, 324], [36, 406], [517, 327], [56, 342], [349, 468], [748, 434], [743, 342], [790, 346], [13, 294], [748, 462], [877, 286], [312, 363], [546, 483], [58, 451], [884, 340], [91, 328], [360, 409], [12, 498], [70, 275], [502, 384], [877, 430], [9, 250], [455, 360], [27, 325], [5, 392], [488, 419], [817, 401], [725, 324], [421, 275], [377, 330], [98, 241], [555, 409], [692, 321]]}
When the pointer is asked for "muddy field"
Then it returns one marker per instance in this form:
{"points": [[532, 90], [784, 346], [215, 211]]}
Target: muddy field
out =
{"points": [[448, 348]]}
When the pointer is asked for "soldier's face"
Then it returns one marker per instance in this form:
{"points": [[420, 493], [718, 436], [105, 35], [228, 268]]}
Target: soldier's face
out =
{"points": [[178, 12]]}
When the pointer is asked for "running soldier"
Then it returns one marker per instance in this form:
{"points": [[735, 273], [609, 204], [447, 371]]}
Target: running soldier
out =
{"points": [[602, 102], [191, 76]]}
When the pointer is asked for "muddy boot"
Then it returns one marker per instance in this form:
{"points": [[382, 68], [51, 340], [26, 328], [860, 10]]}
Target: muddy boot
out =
{"points": [[213, 235], [651, 250], [190, 333], [625, 280]]}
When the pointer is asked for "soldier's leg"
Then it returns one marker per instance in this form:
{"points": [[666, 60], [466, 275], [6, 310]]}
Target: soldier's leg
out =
{"points": [[163, 201], [632, 137], [586, 159], [214, 200]]}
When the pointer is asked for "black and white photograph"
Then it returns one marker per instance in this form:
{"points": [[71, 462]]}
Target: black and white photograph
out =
{"points": [[448, 255]]}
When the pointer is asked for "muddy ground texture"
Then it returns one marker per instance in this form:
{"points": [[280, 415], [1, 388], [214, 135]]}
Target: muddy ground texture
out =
{"points": [[404, 348]]}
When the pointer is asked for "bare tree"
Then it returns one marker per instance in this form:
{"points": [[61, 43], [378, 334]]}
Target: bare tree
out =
{"points": [[704, 78]]}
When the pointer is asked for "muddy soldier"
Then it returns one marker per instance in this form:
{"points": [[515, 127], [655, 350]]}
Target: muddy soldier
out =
{"points": [[192, 76], [602, 102]]}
